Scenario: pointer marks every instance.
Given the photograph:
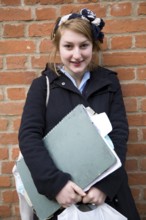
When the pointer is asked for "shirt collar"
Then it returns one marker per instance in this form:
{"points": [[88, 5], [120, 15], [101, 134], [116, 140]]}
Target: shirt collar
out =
{"points": [[85, 77]]}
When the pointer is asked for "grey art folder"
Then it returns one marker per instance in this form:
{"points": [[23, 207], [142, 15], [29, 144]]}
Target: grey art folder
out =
{"points": [[76, 148]]}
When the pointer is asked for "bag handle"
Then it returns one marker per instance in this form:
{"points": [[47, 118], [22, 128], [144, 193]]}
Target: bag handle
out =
{"points": [[48, 90]]}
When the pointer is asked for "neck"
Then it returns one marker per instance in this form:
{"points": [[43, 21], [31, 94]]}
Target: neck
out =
{"points": [[77, 77]]}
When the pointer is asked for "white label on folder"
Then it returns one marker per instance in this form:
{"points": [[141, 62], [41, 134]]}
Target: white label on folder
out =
{"points": [[102, 122]]}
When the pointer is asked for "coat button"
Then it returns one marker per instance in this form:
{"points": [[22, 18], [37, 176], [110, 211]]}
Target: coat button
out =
{"points": [[63, 83], [116, 200]]}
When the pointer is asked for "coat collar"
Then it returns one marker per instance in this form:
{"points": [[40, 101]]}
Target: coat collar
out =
{"points": [[60, 80], [98, 80]]}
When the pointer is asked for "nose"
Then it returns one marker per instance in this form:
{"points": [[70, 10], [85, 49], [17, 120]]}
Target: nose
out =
{"points": [[77, 53]]}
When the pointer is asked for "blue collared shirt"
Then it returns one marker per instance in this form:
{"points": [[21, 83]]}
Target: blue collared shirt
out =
{"points": [[86, 76]]}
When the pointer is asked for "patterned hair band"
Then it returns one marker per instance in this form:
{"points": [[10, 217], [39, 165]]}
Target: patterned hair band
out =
{"points": [[96, 23]]}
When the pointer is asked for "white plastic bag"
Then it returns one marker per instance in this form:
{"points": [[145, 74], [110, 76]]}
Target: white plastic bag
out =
{"points": [[102, 212], [25, 206]]}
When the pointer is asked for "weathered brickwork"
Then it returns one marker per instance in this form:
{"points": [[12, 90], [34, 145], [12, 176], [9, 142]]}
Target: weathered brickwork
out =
{"points": [[25, 27]]}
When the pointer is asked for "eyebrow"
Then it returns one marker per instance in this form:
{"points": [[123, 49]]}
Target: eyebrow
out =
{"points": [[80, 42]]}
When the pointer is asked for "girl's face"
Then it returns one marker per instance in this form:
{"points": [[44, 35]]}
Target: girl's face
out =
{"points": [[75, 52]]}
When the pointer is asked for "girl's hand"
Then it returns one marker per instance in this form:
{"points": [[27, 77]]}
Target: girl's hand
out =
{"points": [[70, 194], [94, 196]]}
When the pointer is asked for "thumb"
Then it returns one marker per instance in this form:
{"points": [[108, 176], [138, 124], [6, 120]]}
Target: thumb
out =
{"points": [[78, 190], [85, 199]]}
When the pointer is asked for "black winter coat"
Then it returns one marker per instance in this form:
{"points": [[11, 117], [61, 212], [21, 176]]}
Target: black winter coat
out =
{"points": [[103, 94]]}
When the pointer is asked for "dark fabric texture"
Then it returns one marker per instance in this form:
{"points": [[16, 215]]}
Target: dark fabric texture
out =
{"points": [[103, 94]]}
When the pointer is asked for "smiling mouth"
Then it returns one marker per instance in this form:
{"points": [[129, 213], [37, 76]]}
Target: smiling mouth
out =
{"points": [[76, 62]]}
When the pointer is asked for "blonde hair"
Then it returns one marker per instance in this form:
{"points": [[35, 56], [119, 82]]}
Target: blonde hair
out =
{"points": [[77, 25]]}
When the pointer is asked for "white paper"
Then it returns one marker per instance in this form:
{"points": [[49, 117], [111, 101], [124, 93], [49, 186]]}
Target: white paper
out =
{"points": [[101, 121], [103, 125]]}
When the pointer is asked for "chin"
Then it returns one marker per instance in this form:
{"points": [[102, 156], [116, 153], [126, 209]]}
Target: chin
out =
{"points": [[78, 70]]}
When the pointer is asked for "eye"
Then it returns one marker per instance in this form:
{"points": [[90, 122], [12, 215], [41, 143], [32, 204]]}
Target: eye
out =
{"points": [[68, 46], [84, 46]]}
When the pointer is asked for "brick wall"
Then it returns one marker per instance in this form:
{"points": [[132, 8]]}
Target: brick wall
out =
{"points": [[24, 47]]}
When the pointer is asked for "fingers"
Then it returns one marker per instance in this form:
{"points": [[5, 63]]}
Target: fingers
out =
{"points": [[94, 196], [70, 194], [71, 199], [78, 198], [78, 190]]}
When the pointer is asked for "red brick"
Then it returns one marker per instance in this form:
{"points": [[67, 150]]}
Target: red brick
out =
{"points": [[16, 212], [16, 124], [134, 89], [136, 149], [16, 47], [15, 153], [121, 9], [137, 178], [3, 153], [125, 73], [54, 2], [137, 120], [132, 165], [124, 51], [12, 78], [16, 93], [124, 58], [1, 95], [145, 193], [5, 181], [86, 1], [15, 14], [11, 138], [10, 2], [45, 13], [99, 9], [11, 30], [142, 8], [11, 108], [144, 134], [16, 62], [46, 46], [131, 104], [143, 164], [1, 63], [31, 2], [104, 46], [143, 105], [10, 196], [69, 8], [140, 41], [5, 211], [37, 30], [136, 192], [124, 42], [3, 124], [133, 134], [141, 73], [6, 167], [125, 25], [142, 208], [39, 62]]}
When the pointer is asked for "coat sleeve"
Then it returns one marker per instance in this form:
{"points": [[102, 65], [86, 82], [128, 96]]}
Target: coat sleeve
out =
{"points": [[119, 135], [48, 179]]}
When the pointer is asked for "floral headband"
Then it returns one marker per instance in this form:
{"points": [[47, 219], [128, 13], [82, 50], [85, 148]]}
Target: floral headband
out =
{"points": [[96, 23]]}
